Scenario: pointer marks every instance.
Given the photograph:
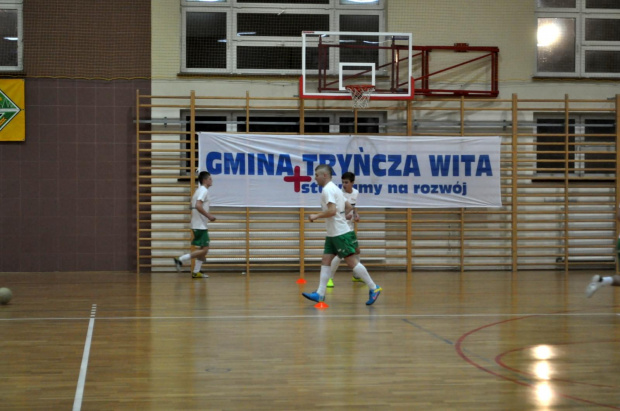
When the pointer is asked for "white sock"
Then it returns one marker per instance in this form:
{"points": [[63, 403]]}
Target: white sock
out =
{"points": [[607, 280], [185, 258], [361, 272], [335, 264], [197, 266], [326, 272]]}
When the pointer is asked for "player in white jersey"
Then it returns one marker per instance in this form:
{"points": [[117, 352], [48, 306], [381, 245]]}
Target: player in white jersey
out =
{"points": [[350, 194], [199, 224], [340, 239]]}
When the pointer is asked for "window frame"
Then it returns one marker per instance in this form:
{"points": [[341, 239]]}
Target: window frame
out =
{"points": [[266, 41], [584, 17], [184, 42], [348, 12], [580, 14], [233, 9], [18, 6], [379, 5], [595, 74], [580, 149]]}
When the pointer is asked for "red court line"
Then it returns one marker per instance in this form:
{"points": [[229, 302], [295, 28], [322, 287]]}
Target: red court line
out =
{"points": [[501, 363], [459, 350]]}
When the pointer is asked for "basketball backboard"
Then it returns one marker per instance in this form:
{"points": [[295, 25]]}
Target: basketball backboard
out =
{"points": [[333, 60]]}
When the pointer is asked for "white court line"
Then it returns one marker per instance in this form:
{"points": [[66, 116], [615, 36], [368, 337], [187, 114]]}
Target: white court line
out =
{"points": [[79, 392], [276, 317]]}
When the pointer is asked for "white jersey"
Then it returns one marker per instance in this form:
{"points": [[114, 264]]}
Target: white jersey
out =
{"points": [[352, 199], [199, 221], [336, 225]]}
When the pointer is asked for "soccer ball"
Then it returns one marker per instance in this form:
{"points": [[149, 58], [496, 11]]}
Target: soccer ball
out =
{"points": [[5, 295]]}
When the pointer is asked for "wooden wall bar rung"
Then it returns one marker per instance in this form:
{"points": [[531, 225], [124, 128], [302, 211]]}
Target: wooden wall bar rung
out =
{"points": [[559, 189]]}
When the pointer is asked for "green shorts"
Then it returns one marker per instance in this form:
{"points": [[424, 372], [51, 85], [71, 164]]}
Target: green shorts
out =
{"points": [[618, 249], [201, 238], [343, 245]]}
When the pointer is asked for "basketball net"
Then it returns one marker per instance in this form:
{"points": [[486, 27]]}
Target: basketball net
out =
{"points": [[360, 94]]}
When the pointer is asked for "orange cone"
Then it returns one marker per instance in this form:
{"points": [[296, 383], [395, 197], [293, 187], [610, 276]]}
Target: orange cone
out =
{"points": [[321, 305], [301, 281]]}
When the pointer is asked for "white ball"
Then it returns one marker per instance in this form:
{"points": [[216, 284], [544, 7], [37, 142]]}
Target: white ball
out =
{"points": [[5, 295]]}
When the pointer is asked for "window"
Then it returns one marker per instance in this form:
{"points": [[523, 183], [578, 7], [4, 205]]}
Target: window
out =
{"points": [[320, 123], [215, 123], [203, 35], [270, 122], [365, 125], [588, 150], [10, 36], [285, 1], [264, 37], [578, 38], [553, 150], [279, 124]]}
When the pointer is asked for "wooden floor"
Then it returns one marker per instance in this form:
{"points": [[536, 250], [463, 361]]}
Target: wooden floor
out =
{"points": [[433, 341]]}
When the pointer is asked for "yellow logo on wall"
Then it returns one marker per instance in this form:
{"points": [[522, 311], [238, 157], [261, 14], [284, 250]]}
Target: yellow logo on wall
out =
{"points": [[12, 110]]}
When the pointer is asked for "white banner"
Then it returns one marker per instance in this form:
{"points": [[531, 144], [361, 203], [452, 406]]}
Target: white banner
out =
{"points": [[391, 171]]}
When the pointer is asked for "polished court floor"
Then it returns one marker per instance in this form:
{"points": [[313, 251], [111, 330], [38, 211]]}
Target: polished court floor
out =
{"points": [[433, 341]]}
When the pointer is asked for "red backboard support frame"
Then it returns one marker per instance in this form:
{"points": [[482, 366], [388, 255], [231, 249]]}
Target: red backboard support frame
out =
{"points": [[423, 84], [424, 81]]}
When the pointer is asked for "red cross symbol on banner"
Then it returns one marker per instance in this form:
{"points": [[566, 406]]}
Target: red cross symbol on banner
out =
{"points": [[297, 178]]}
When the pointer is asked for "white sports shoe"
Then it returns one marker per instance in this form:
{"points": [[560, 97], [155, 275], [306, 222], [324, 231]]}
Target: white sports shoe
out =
{"points": [[178, 264], [594, 285]]}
